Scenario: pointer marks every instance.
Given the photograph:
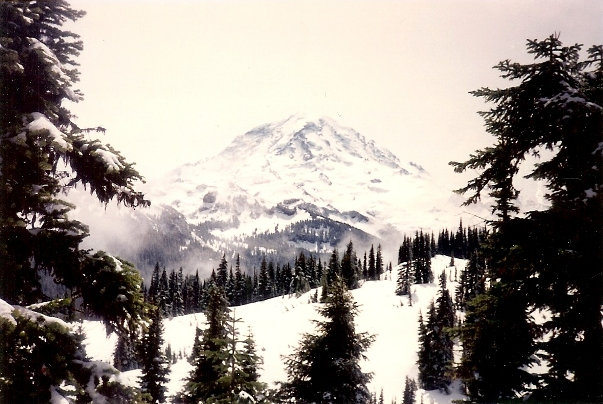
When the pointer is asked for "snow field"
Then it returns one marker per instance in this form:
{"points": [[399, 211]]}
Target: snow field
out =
{"points": [[278, 324]]}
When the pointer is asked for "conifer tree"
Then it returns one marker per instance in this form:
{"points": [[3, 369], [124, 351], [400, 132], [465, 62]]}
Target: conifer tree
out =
{"points": [[378, 263], [349, 271], [155, 364], [154, 286], [371, 271], [325, 367], [435, 344], [410, 389], [251, 363], [163, 290], [44, 153], [222, 273], [239, 283], [208, 377], [543, 257], [263, 285], [125, 356]]}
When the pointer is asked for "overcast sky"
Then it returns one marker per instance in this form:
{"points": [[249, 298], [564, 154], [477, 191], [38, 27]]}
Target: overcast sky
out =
{"points": [[176, 81]]}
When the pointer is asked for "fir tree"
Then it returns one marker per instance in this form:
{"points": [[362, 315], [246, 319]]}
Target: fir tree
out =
{"points": [[43, 153], [164, 302], [410, 389], [208, 377], [325, 367], [154, 286], [349, 271], [497, 345], [263, 284], [239, 284], [125, 356], [371, 271], [222, 273], [545, 257], [155, 364], [378, 263]]}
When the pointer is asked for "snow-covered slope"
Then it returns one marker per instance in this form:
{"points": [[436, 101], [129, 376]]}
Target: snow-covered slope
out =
{"points": [[277, 325]]}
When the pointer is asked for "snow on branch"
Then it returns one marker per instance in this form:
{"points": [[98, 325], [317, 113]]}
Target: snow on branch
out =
{"points": [[42, 124]]}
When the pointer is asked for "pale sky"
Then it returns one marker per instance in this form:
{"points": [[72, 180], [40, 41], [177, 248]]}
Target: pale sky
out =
{"points": [[175, 81]]}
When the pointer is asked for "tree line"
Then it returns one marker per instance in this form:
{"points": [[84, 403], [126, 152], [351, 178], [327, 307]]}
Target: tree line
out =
{"points": [[176, 293]]}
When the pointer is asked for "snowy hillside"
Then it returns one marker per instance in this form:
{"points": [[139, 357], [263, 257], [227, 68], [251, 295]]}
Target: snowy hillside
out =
{"points": [[277, 325]]}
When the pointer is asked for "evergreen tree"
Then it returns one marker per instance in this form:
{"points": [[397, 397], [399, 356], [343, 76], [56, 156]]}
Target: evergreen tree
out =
{"points": [[196, 299], [349, 271], [371, 271], [239, 284], [43, 153], [164, 302], [333, 269], [325, 367], [435, 344], [378, 263], [125, 357], [472, 280], [299, 283], [209, 375], [497, 345], [263, 284], [222, 273], [251, 363], [154, 286], [405, 274], [544, 257], [410, 389], [176, 294], [155, 364]]}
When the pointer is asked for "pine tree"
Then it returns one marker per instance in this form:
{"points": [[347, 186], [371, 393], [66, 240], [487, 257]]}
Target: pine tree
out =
{"points": [[155, 364], [43, 153], [325, 367]]}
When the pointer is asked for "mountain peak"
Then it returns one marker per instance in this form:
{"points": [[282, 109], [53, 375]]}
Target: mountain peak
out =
{"points": [[305, 137]]}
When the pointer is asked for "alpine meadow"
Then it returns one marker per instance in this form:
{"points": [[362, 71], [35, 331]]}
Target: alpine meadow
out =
{"points": [[344, 205]]}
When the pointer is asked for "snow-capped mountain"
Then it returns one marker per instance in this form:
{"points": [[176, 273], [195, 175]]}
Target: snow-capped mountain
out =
{"points": [[293, 170], [304, 182]]}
